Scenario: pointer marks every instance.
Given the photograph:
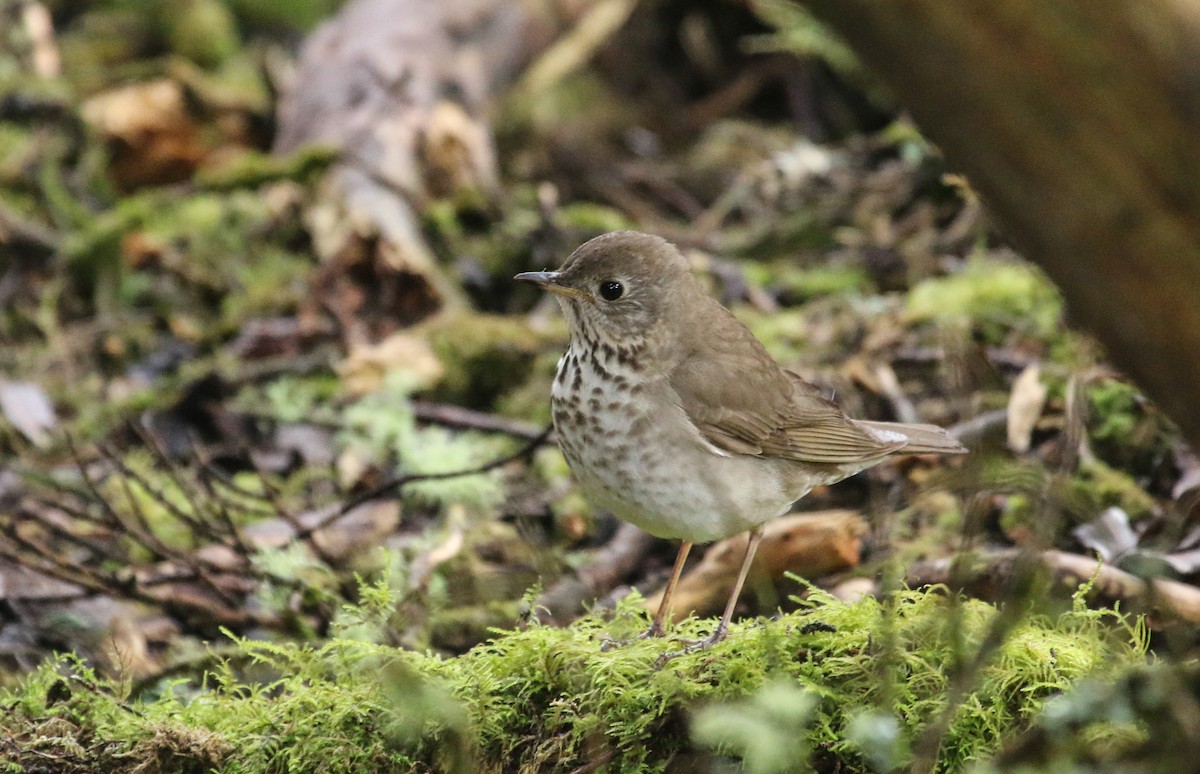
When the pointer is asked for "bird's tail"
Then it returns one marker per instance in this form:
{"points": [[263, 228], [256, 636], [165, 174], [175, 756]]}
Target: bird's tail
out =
{"points": [[918, 439]]}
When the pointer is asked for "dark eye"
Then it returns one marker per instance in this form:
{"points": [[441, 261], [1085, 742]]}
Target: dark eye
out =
{"points": [[611, 290]]}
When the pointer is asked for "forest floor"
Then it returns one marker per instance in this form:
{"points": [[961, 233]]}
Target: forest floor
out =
{"points": [[275, 464]]}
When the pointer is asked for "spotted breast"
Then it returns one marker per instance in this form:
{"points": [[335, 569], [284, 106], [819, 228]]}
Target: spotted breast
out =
{"points": [[633, 450]]}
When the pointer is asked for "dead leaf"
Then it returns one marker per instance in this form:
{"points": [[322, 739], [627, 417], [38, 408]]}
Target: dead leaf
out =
{"points": [[1189, 476], [1025, 405], [151, 135], [1109, 534], [1187, 486], [28, 409], [1184, 562], [19, 583], [853, 589], [352, 465], [39, 31], [124, 652], [358, 532], [345, 539], [364, 369]]}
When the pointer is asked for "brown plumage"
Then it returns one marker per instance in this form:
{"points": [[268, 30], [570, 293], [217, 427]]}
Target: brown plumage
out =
{"points": [[672, 414]]}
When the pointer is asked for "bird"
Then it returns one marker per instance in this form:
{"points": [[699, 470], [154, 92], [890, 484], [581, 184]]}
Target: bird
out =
{"points": [[673, 416]]}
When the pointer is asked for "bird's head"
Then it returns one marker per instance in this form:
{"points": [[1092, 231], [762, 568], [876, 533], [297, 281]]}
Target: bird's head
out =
{"points": [[619, 286]]}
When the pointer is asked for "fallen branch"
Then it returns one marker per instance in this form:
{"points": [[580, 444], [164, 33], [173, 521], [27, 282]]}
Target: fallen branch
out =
{"points": [[988, 576]]}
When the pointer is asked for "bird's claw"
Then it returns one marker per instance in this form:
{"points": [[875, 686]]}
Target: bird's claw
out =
{"points": [[655, 630], [693, 646]]}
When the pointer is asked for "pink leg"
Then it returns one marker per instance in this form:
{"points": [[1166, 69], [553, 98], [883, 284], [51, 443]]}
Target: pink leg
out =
{"points": [[751, 547], [664, 607], [723, 626]]}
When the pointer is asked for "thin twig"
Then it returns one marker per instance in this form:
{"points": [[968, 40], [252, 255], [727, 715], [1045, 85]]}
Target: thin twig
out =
{"points": [[48, 563], [144, 535], [63, 533], [466, 419], [106, 506], [401, 481], [198, 526], [286, 515], [235, 533]]}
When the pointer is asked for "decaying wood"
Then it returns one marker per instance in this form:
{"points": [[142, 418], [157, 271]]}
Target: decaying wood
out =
{"points": [[1086, 154], [388, 80], [807, 544], [401, 88], [989, 575]]}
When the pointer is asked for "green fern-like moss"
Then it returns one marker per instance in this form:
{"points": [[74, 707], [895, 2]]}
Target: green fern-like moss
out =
{"points": [[547, 699]]}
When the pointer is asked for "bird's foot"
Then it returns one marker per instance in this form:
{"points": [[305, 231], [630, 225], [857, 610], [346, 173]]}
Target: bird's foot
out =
{"points": [[694, 646], [655, 630]]}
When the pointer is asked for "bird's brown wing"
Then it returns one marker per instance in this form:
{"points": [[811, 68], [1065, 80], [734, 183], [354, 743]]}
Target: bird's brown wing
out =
{"points": [[742, 402]]}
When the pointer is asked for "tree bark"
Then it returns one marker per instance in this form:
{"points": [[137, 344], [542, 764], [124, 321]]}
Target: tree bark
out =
{"points": [[1079, 123]]}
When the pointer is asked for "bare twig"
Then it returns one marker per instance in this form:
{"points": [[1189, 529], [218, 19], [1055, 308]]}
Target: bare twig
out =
{"points": [[466, 419], [48, 563], [114, 517], [971, 431], [885, 375], [401, 481], [199, 526], [66, 535], [285, 513]]}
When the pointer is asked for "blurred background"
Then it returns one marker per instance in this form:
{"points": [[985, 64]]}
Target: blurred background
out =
{"points": [[256, 298]]}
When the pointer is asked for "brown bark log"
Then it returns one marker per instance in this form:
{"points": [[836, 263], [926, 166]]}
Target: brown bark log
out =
{"points": [[1079, 122]]}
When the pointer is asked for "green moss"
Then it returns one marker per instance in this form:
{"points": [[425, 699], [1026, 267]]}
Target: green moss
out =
{"points": [[816, 281], [801, 33], [550, 699], [484, 356], [591, 219], [274, 281], [253, 168], [204, 31], [106, 40], [531, 400], [1126, 430], [286, 15], [228, 243], [381, 426], [1091, 728], [995, 296], [1035, 492], [1103, 486]]}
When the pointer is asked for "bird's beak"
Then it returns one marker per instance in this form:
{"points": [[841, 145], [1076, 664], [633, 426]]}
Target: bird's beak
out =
{"points": [[548, 280]]}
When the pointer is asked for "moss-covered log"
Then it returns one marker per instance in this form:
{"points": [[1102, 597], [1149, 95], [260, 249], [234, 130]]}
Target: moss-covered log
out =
{"points": [[837, 684]]}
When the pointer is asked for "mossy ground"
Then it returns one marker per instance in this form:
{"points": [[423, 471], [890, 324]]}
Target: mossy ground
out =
{"points": [[548, 699], [132, 295]]}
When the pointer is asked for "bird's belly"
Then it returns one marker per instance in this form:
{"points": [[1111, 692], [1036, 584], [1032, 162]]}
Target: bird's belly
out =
{"points": [[636, 453]]}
